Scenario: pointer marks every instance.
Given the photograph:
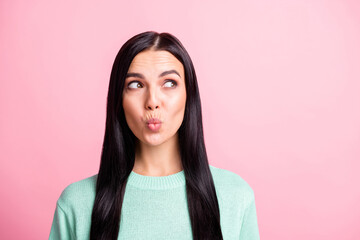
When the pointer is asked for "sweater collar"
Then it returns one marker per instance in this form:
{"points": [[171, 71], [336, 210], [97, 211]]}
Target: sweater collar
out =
{"points": [[156, 183]]}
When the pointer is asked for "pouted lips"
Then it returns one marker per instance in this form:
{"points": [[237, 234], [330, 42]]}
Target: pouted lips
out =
{"points": [[154, 124], [153, 120]]}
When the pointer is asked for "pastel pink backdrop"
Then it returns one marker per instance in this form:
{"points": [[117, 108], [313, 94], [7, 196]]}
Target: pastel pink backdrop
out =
{"points": [[280, 90]]}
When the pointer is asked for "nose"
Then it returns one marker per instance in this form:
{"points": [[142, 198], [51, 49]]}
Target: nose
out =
{"points": [[152, 101], [150, 107]]}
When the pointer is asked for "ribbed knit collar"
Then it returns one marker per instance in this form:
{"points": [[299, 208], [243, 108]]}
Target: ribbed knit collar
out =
{"points": [[157, 183]]}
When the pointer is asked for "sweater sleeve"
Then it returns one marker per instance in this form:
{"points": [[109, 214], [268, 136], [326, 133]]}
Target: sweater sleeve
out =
{"points": [[61, 226], [249, 228]]}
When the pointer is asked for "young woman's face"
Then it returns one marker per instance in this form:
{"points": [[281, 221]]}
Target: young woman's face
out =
{"points": [[154, 88]]}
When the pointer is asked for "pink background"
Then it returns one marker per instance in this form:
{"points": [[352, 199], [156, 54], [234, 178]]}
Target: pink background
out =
{"points": [[280, 90]]}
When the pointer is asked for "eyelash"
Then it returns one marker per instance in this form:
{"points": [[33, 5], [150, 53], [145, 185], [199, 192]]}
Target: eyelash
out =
{"points": [[173, 81]]}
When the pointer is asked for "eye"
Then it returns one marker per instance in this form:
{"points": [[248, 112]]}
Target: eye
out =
{"points": [[171, 83], [134, 83]]}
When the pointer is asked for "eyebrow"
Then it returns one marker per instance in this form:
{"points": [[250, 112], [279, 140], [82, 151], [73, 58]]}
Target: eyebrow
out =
{"points": [[139, 75]]}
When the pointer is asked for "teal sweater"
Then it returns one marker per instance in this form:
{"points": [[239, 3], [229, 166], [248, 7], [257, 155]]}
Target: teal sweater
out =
{"points": [[156, 208]]}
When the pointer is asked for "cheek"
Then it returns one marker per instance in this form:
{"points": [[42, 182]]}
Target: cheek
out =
{"points": [[178, 104], [130, 110]]}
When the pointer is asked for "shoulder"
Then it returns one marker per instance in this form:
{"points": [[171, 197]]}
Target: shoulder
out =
{"points": [[78, 194], [231, 184]]}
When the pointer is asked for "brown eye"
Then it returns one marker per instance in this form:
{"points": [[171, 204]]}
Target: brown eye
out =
{"points": [[171, 83], [135, 84]]}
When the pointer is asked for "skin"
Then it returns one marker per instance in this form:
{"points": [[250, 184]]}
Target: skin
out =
{"points": [[157, 153]]}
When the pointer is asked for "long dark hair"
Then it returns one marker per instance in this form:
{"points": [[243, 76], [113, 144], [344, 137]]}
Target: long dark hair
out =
{"points": [[118, 151]]}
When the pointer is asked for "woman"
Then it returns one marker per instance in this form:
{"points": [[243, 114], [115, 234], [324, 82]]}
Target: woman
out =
{"points": [[154, 180]]}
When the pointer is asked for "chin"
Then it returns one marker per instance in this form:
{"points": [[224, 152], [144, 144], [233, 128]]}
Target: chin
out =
{"points": [[154, 140]]}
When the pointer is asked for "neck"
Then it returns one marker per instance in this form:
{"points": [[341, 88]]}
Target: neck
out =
{"points": [[160, 160]]}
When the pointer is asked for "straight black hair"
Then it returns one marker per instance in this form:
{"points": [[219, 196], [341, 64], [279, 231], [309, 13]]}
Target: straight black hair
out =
{"points": [[118, 150]]}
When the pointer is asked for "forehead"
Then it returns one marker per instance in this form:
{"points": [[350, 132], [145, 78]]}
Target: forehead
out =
{"points": [[150, 60]]}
